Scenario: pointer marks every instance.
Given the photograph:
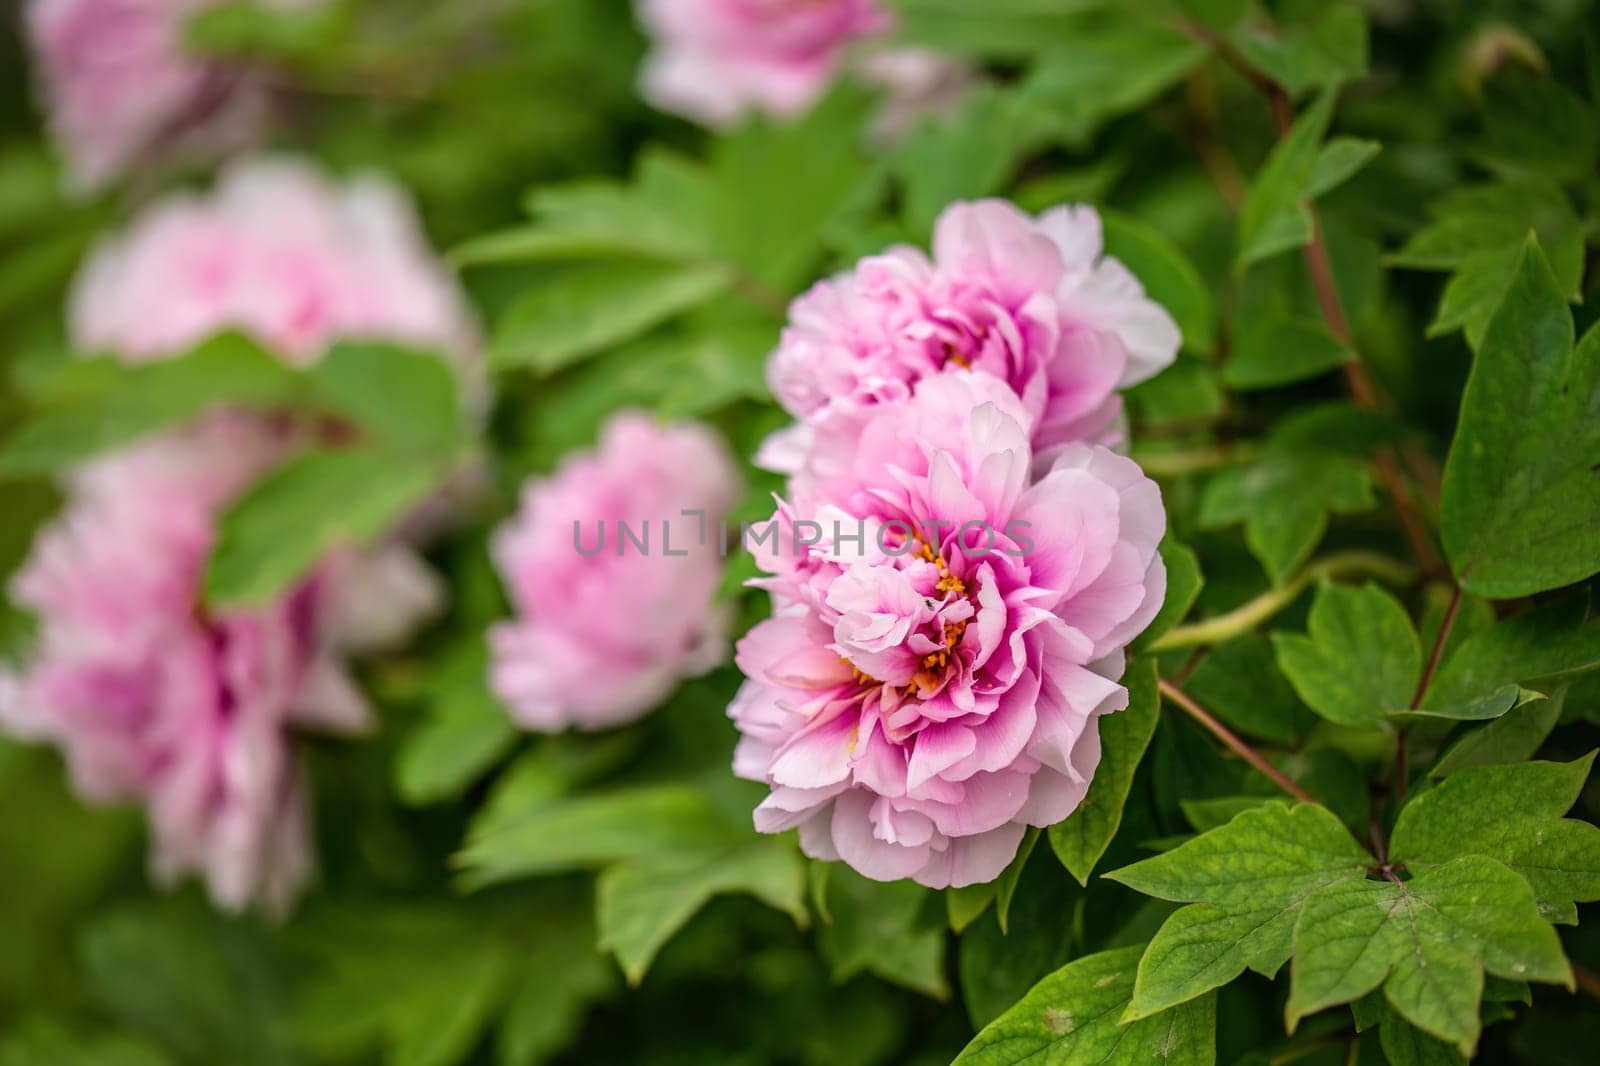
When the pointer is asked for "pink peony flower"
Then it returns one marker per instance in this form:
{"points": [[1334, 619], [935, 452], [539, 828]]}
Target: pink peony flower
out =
{"points": [[605, 628], [121, 90], [152, 698], [945, 631], [276, 250], [714, 60], [1033, 302]]}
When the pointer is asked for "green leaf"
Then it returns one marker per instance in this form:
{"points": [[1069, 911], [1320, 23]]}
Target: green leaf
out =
{"points": [[110, 403], [1482, 709], [465, 732], [1321, 53], [551, 835], [402, 397], [1284, 499], [1276, 216], [1427, 942], [641, 904], [1513, 814], [1339, 161], [1008, 28], [272, 535], [1280, 349], [967, 155], [197, 983], [1361, 658], [882, 928], [1107, 67], [779, 185], [1167, 274], [1246, 882], [1071, 1017], [1521, 506], [1080, 840], [586, 307], [1512, 737], [1241, 684], [1532, 649]]}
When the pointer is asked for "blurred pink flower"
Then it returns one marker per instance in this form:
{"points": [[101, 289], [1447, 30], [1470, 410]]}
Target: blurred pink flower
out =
{"points": [[277, 250], [715, 60], [600, 637], [153, 698], [120, 90], [926, 689], [1034, 302]]}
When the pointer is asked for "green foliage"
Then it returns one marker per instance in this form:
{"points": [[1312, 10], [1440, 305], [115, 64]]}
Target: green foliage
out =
{"points": [[1375, 225]]}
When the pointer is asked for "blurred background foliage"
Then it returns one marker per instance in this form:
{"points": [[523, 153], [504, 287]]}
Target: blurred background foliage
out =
{"points": [[620, 257]]}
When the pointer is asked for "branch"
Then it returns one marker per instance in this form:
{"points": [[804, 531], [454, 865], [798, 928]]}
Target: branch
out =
{"points": [[1233, 742], [1242, 619]]}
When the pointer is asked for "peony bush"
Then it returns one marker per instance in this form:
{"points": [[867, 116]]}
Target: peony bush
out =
{"points": [[798, 531]]}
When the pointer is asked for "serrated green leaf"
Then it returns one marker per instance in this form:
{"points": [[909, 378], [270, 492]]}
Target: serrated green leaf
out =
{"points": [[1360, 659], [1426, 942], [1521, 506], [1512, 814], [1071, 1017], [1080, 840], [271, 536], [1246, 881]]}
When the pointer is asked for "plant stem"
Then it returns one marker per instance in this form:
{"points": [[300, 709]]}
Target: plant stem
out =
{"points": [[1244, 618], [1233, 742], [1401, 772]]}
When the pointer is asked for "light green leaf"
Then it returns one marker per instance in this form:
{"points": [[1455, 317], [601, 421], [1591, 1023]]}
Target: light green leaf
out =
{"points": [[1521, 506], [641, 904], [1513, 814], [1276, 216], [1340, 160], [273, 534], [1106, 68], [404, 398], [1361, 659], [1080, 840], [1246, 881], [1426, 942], [1481, 709], [1072, 1017], [108, 403], [640, 823], [465, 732], [586, 307], [1512, 737]]}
